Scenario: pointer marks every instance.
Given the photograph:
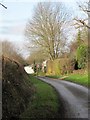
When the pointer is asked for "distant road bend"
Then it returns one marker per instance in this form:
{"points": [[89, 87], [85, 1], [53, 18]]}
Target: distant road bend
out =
{"points": [[74, 97]]}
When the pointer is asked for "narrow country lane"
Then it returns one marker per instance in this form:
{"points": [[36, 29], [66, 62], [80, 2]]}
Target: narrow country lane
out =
{"points": [[74, 97]]}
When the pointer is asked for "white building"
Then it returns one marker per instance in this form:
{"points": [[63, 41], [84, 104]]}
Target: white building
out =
{"points": [[44, 65], [29, 69]]}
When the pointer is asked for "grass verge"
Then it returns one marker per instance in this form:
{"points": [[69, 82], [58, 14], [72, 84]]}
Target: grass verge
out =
{"points": [[44, 103], [53, 76], [76, 78]]}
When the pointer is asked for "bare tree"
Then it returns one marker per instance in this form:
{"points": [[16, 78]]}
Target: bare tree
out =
{"points": [[37, 56], [85, 8], [9, 51], [47, 27]]}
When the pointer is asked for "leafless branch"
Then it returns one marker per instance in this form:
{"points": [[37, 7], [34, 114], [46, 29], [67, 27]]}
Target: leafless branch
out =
{"points": [[3, 5], [79, 21], [47, 28], [83, 22], [84, 8]]}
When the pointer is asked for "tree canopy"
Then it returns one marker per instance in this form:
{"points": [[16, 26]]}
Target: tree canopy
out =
{"points": [[46, 30]]}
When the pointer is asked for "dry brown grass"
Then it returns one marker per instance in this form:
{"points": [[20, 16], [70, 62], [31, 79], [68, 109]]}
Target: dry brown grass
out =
{"points": [[17, 90]]}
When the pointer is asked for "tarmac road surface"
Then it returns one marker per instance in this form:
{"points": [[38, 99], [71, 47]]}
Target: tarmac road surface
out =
{"points": [[74, 97]]}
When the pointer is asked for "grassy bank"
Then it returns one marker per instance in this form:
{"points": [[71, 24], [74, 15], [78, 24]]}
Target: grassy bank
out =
{"points": [[77, 78], [53, 76], [44, 103]]}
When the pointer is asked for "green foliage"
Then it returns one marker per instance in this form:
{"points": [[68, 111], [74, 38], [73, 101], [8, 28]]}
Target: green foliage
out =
{"points": [[78, 49], [79, 39], [78, 78], [82, 56]]}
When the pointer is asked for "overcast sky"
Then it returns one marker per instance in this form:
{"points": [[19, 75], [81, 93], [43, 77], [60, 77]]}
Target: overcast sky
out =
{"points": [[14, 18]]}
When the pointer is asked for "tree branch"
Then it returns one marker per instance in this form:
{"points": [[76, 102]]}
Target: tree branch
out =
{"points": [[3, 5], [82, 22]]}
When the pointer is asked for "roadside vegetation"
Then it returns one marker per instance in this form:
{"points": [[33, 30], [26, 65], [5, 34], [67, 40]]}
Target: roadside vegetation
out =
{"points": [[25, 96], [16, 90], [48, 39], [62, 57], [44, 103], [81, 79], [78, 78]]}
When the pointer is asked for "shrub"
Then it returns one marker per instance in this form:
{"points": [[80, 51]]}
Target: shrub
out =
{"points": [[56, 67], [82, 56], [49, 66], [59, 66]]}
